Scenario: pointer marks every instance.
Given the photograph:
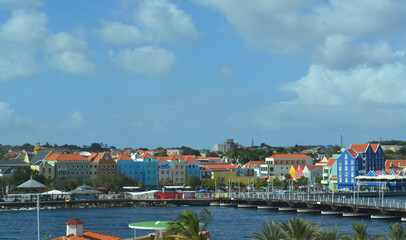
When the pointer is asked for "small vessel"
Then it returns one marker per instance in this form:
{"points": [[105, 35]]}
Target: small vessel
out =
{"points": [[225, 204], [287, 209], [215, 204], [267, 207], [306, 210], [385, 217], [359, 215], [331, 213], [246, 206]]}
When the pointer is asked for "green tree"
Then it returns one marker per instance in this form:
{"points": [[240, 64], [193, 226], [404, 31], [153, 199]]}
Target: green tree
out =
{"points": [[193, 181], [396, 232], [329, 234], [190, 225], [122, 180], [269, 231], [299, 229], [212, 154], [360, 232], [190, 151], [161, 154]]}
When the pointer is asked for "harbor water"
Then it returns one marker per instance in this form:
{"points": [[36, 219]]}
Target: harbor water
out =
{"points": [[228, 222]]}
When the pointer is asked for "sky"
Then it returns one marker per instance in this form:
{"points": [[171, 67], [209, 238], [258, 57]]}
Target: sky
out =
{"points": [[171, 73]]}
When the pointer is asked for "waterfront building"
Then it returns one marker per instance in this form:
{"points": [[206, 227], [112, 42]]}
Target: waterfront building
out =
{"points": [[209, 160], [256, 165], [192, 167], [205, 172], [150, 164], [278, 165], [70, 165], [329, 181], [395, 165], [130, 167], [224, 147], [102, 164], [349, 164], [173, 151], [165, 171], [312, 171], [232, 174], [373, 157]]}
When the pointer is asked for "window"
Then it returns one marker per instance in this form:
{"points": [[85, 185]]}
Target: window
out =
{"points": [[49, 170]]}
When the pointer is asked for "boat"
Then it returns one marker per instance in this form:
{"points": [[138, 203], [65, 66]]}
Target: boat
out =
{"points": [[246, 206], [267, 207], [331, 213], [385, 217], [359, 215], [224, 204], [287, 209], [215, 204], [306, 210], [403, 219]]}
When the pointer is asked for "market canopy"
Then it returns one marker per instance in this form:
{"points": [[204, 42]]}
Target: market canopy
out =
{"points": [[31, 184]]}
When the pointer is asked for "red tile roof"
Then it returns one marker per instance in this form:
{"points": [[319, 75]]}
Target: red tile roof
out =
{"points": [[253, 164], [395, 163], [66, 157], [89, 235], [95, 157], [331, 162], [289, 156], [14, 153], [206, 158], [374, 147], [74, 221], [313, 167], [352, 152], [146, 155], [124, 157], [359, 147]]}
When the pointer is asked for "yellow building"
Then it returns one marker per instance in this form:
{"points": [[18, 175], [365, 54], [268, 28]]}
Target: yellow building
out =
{"points": [[292, 172], [173, 151], [231, 176]]}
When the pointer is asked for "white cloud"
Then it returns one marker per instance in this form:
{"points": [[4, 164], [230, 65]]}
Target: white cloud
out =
{"points": [[119, 33], [65, 42], [166, 21], [25, 28], [71, 62], [156, 62], [225, 73], [300, 28], [10, 120], [15, 63]]}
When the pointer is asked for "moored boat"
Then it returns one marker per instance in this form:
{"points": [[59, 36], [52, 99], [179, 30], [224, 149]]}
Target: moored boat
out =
{"points": [[246, 206], [331, 213]]}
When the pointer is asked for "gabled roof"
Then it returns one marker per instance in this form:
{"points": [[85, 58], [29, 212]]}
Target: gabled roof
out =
{"points": [[353, 153], [313, 167], [41, 155], [331, 162], [395, 163], [31, 184], [89, 235], [289, 156], [66, 157], [374, 147], [359, 148], [123, 157], [74, 221], [95, 157], [253, 164], [146, 155]]}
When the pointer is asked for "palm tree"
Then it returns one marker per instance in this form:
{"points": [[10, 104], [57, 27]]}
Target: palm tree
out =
{"points": [[299, 229], [360, 232], [329, 234], [189, 225], [268, 231], [396, 232]]}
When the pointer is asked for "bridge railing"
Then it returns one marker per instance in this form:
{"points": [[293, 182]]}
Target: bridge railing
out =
{"points": [[311, 198]]}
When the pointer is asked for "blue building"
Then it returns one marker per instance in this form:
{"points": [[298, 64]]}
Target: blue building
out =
{"points": [[192, 167], [130, 167], [348, 166], [359, 160], [150, 169]]}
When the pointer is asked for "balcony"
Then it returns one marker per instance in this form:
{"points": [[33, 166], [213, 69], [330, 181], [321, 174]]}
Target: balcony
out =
{"points": [[324, 182], [333, 181], [325, 174]]}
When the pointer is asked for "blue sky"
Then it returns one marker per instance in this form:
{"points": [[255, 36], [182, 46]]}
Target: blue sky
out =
{"points": [[161, 73]]}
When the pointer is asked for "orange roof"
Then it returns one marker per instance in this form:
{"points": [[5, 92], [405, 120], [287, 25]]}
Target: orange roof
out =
{"points": [[359, 147], [200, 157], [253, 164], [374, 147], [95, 157], [352, 152], [331, 161], [124, 157], [146, 155], [89, 235], [74, 221], [13, 153], [395, 163], [141, 151], [312, 167], [66, 157], [289, 156]]}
